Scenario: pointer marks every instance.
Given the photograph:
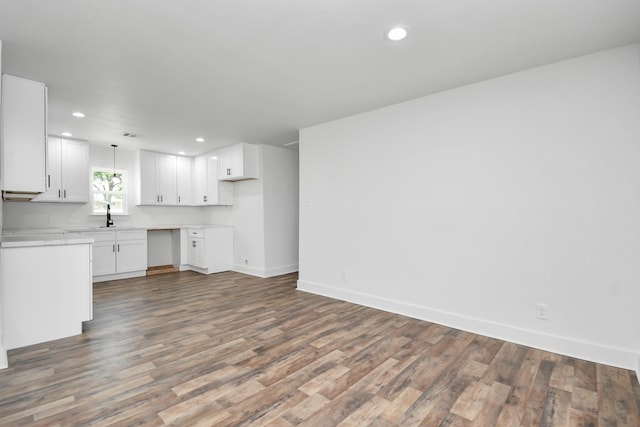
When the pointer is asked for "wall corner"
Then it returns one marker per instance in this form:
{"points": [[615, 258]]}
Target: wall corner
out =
{"points": [[4, 361]]}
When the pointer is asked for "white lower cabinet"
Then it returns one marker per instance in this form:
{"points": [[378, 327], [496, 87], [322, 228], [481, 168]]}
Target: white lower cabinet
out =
{"points": [[210, 249], [118, 254], [104, 261], [46, 292], [196, 248]]}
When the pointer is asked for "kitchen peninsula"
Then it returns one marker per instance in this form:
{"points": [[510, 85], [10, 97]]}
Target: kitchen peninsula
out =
{"points": [[45, 286]]}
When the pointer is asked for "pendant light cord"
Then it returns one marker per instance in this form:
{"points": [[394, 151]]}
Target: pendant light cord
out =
{"points": [[114, 159]]}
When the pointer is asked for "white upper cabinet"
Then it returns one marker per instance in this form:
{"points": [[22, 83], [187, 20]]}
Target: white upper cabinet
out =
{"points": [[24, 134], [184, 169], [67, 178], [166, 178], [238, 162], [157, 178], [207, 189]]}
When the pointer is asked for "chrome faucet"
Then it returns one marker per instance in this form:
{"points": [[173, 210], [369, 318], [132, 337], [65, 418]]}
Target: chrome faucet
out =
{"points": [[109, 220]]}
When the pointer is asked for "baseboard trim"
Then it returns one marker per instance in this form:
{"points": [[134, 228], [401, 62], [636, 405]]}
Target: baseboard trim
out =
{"points": [[618, 357], [264, 273], [284, 269], [251, 271], [119, 276]]}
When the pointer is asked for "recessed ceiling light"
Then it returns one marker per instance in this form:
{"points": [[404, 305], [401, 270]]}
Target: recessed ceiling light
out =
{"points": [[77, 114], [66, 134], [199, 139], [397, 33], [182, 153]]}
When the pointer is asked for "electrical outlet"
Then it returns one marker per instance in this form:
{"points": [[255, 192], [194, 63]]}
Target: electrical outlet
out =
{"points": [[542, 311]]}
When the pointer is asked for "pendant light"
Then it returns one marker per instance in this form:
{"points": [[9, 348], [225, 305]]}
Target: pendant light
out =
{"points": [[114, 160]]}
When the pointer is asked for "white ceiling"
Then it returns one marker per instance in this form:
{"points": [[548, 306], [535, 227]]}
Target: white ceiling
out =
{"points": [[259, 70]]}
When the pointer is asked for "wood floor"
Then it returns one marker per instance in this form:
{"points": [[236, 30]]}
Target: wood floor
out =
{"points": [[228, 350]]}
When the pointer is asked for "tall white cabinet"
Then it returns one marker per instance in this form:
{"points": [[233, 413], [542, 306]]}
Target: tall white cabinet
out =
{"points": [[67, 178], [24, 135]]}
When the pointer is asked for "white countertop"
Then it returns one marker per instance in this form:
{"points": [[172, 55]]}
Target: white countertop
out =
{"points": [[42, 240], [69, 236]]}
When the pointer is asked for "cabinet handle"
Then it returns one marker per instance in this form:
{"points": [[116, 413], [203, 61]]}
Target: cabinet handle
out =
{"points": [[65, 194], [118, 247], [178, 199], [113, 247], [59, 194], [193, 243], [157, 198], [162, 198], [204, 198], [48, 181], [228, 171]]}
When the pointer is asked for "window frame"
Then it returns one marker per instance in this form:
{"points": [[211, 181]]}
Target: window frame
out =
{"points": [[94, 192]]}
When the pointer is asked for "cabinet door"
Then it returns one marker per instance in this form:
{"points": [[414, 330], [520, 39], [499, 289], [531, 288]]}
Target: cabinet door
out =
{"points": [[104, 258], [219, 249], [200, 180], [238, 162], [166, 178], [221, 192], [131, 255], [75, 171], [212, 180], [196, 252], [230, 162], [53, 177], [148, 190], [183, 180], [24, 134]]}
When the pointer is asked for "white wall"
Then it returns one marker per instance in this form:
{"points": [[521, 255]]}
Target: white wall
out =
{"points": [[281, 190], [265, 216], [20, 215], [470, 206], [248, 227]]}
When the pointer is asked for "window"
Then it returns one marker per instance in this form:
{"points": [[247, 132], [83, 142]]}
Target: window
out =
{"points": [[108, 188]]}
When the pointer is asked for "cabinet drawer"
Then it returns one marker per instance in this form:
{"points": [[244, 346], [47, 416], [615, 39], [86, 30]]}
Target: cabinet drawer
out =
{"points": [[100, 236], [196, 232], [131, 235]]}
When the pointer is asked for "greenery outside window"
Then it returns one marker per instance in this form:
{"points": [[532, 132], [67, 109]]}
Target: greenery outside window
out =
{"points": [[108, 187]]}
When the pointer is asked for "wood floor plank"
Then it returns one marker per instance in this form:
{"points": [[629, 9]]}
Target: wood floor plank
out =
{"points": [[514, 409], [228, 349]]}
